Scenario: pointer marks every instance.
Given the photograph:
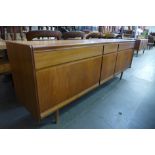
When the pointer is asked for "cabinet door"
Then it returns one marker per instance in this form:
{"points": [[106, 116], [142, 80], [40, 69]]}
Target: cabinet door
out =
{"points": [[59, 85], [124, 59], [108, 66]]}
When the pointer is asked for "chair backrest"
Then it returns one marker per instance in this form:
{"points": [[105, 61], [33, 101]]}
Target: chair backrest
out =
{"points": [[94, 35], [73, 34], [42, 34]]}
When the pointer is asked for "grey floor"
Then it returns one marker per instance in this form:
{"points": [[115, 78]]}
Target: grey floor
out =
{"points": [[126, 103]]}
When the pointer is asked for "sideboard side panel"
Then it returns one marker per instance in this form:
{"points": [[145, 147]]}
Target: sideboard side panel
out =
{"points": [[22, 66]]}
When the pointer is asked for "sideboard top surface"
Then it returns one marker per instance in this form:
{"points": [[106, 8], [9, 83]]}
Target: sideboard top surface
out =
{"points": [[54, 44]]}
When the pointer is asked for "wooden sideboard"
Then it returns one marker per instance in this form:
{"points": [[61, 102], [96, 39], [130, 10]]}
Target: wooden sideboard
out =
{"points": [[51, 74], [141, 44]]}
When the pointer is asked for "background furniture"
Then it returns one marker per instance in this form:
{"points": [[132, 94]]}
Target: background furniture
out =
{"points": [[53, 74], [150, 41], [9, 33], [94, 35], [141, 44], [13, 32], [43, 34], [153, 35], [128, 34], [73, 34]]}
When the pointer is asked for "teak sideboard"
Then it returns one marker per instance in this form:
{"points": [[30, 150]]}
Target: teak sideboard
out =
{"points": [[48, 75]]}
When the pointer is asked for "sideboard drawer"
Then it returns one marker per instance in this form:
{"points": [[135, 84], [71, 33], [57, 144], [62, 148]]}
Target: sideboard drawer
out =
{"points": [[110, 48], [55, 57], [127, 45]]}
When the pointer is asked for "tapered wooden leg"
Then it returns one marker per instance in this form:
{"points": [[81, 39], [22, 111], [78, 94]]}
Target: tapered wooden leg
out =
{"points": [[121, 75], [137, 53], [57, 117]]}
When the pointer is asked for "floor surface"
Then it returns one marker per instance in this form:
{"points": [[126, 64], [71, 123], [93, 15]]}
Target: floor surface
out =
{"points": [[118, 104]]}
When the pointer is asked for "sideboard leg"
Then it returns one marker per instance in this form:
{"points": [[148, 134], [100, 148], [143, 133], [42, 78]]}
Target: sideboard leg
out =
{"points": [[57, 117], [121, 75], [137, 53]]}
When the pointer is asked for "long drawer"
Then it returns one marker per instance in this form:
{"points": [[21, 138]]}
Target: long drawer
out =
{"points": [[127, 45], [54, 57]]}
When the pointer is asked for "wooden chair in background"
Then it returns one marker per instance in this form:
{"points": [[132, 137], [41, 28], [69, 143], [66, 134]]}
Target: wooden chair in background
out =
{"points": [[73, 35], [92, 35], [42, 34]]}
